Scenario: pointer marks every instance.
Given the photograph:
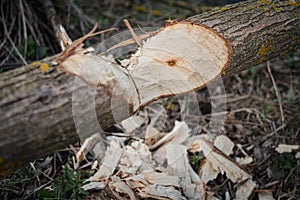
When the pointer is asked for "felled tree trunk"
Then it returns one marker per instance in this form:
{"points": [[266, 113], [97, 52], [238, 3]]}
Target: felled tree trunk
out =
{"points": [[36, 109]]}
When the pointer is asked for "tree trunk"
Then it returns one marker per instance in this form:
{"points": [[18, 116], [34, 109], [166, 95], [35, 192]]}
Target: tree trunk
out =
{"points": [[36, 109]]}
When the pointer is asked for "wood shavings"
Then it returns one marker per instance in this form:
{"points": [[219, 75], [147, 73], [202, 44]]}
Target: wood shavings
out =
{"points": [[132, 170], [178, 164], [94, 185], [130, 162], [121, 187], [132, 123], [111, 159], [224, 144], [207, 171], [136, 157], [244, 161], [178, 135], [220, 163], [265, 195], [159, 192], [87, 145], [152, 135], [245, 189], [283, 148], [162, 179]]}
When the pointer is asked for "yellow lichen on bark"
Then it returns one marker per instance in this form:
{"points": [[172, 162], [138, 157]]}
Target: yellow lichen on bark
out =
{"points": [[271, 4], [44, 68], [224, 8], [291, 47], [263, 51], [293, 3]]}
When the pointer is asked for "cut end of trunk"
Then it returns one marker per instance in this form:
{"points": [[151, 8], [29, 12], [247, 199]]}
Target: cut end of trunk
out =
{"points": [[179, 57]]}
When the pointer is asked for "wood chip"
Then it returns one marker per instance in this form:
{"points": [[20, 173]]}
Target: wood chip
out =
{"points": [[283, 148], [94, 186], [223, 164], [162, 179], [87, 146], [132, 123], [265, 195], [178, 164], [110, 162], [178, 135], [161, 192], [224, 144], [123, 188]]}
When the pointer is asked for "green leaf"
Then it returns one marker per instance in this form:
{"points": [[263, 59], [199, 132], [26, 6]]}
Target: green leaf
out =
{"points": [[277, 173], [43, 194], [42, 51]]}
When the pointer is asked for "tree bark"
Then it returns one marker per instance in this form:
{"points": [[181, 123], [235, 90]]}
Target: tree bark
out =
{"points": [[36, 109]]}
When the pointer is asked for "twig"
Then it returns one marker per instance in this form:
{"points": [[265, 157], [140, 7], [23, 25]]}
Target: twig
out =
{"points": [[80, 13], [274, 132], [276, 92], [134, 36], [129, 41], [70, 49], [24, 25], [9, 38], [51, 15]]}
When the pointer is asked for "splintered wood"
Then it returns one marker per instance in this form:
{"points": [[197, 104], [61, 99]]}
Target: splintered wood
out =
{"points": [[175, 59], [133, 170]]}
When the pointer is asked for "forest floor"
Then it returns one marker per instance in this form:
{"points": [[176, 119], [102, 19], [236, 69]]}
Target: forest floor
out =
{"points": [[262, 104]]}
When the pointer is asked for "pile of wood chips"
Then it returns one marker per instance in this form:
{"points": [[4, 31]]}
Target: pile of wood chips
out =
{"points": [[158, 165]]}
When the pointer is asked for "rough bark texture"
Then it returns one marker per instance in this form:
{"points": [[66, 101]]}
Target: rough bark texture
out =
{"points": [[36, 109], [36, 115], [258, 30]]}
